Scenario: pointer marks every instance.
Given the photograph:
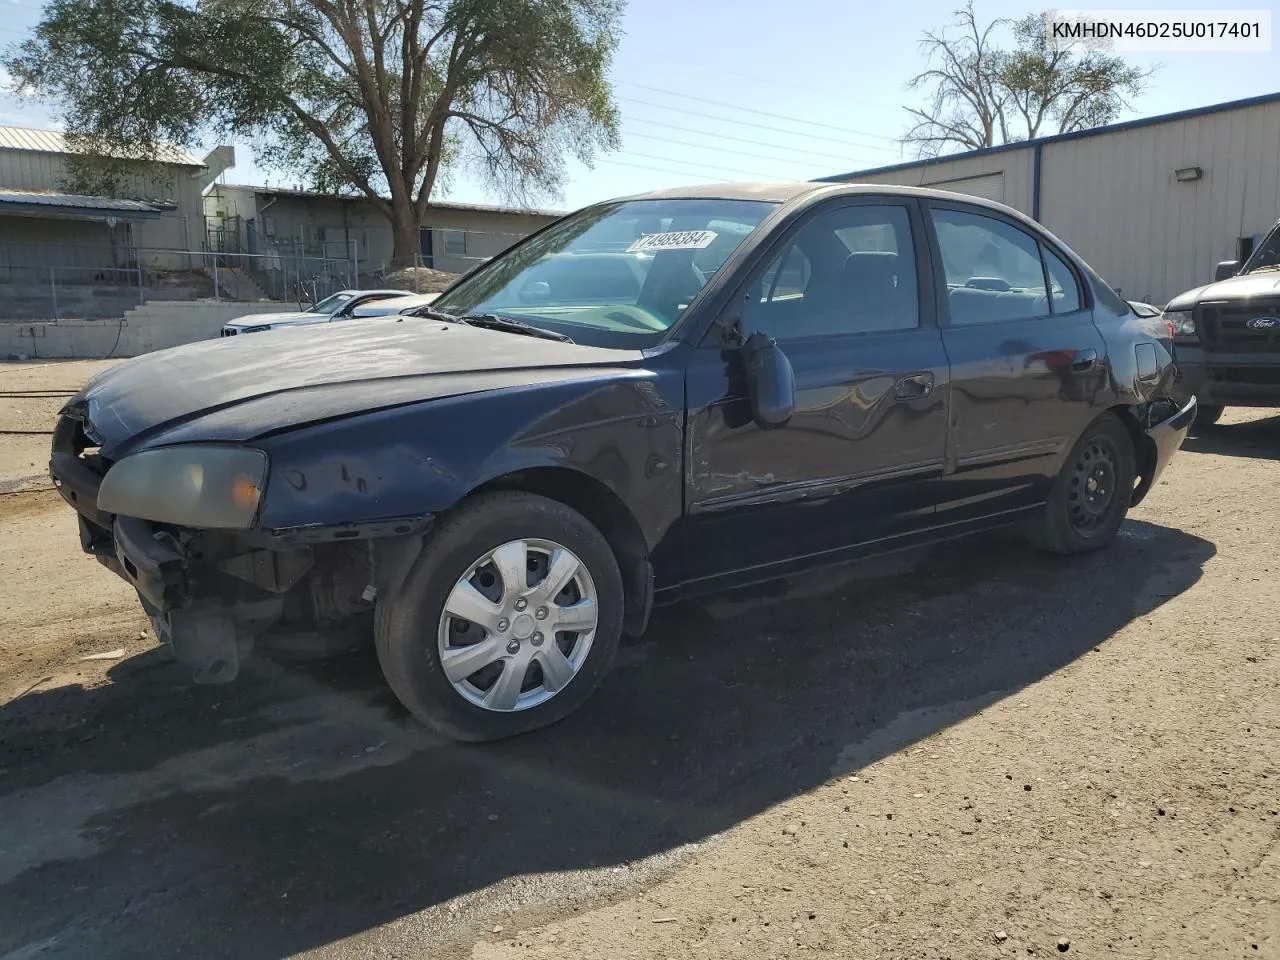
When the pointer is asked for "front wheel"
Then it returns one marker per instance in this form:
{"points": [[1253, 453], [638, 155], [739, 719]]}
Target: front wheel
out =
{"points": [[1091, 494], [508, 620]]}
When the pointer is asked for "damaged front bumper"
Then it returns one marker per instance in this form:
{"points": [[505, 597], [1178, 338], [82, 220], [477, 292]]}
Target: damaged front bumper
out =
{"points": [[1172, 421], [203, 608]]}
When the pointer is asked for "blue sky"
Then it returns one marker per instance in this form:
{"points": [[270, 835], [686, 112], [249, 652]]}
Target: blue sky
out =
{"points": [[748, 89]]}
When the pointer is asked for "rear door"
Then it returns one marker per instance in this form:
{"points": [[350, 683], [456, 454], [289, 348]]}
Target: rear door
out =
{"points": [[1028, 366], [841, 292]]}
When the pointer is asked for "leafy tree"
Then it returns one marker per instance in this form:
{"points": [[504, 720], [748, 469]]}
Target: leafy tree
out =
{"points": [[982, 94], [375, 97]]}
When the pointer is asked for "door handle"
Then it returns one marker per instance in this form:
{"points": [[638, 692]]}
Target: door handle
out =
{"points": [[1084, 360], [914, 387]]}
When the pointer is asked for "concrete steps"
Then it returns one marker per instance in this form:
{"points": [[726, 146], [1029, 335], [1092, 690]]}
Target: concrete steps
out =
{"points": [[235, 283], [152, 326]]}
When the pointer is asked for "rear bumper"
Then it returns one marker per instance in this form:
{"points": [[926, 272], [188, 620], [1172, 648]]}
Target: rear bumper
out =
{"points": [[1166, 437], [1223, 379]]}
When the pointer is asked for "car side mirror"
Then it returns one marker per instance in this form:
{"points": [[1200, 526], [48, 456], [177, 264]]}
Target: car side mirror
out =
{"points": [[1225, 269], [771, 382]]}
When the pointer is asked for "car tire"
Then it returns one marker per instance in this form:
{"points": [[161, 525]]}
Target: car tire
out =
{"points": [[1207, 415], [528, 674], [1091, 494]]}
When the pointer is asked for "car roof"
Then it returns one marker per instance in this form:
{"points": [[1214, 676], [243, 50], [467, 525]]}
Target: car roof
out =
{"points": [[803, 191]]}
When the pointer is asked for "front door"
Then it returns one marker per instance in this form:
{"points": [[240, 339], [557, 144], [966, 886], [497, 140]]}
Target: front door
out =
{"points": [[1028, 366], [860, 459]]}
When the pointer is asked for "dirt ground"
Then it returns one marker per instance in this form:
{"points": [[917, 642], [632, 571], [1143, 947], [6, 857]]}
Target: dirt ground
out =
{"points": [[973, 752]]}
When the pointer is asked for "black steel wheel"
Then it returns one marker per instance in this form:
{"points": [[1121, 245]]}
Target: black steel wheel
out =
{"points": [[1091, 484], [1091, 494]]}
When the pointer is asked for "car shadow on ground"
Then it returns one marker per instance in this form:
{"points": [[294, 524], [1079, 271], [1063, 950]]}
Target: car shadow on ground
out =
{"points": [[301, 806], [1258, 439]]}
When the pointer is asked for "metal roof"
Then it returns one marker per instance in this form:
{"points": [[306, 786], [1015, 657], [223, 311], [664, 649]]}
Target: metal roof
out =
{"points": [[811, 190], [356, 198], [54, 141], [72, 205], [1059, 137], [775, 192]]}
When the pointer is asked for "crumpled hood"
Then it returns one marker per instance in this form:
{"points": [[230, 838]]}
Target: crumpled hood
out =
{"points": [[236, 388], [1250, 287]]}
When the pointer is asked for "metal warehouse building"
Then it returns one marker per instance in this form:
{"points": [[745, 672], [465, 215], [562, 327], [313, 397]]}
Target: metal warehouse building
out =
{"points": [[453, 236], [1151, 204]]}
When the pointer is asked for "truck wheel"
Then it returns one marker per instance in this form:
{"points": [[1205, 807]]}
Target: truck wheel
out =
{"points": [[1091, 493], [1207, 416], [508, 620]]}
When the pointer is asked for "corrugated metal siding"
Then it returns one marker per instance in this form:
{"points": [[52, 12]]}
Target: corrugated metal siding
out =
{"points": [[1016, 168], [1114, 198], [25, 170]]}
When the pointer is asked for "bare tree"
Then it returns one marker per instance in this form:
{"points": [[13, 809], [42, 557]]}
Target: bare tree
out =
{"points": [[982, 94]]}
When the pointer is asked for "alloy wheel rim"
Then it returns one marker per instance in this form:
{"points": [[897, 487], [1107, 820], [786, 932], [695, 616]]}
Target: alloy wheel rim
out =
{"points": [[1091, 488], [518, 625]]}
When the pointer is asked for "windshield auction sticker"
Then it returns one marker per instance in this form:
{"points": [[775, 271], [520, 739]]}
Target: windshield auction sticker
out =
{"points": [[681, 240]]}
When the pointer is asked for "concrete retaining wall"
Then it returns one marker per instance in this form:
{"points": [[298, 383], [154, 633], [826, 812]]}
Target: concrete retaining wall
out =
{"points": [[152, 326]]}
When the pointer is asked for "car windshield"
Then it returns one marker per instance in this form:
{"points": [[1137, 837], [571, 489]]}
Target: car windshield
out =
{"points": [[618, 274], [329, 304], [1267, 254]]}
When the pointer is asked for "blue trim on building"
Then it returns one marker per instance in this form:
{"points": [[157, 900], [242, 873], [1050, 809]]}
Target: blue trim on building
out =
{"points": [[1059, 137], [1035, 182]]}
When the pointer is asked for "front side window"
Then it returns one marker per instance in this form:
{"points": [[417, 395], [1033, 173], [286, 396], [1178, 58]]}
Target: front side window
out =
{"points": [[617, 274], [849, 270], [330, 304], [1266, 256], [993, 270]]}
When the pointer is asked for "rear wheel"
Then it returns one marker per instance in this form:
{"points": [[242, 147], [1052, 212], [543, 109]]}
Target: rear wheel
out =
{"points": [[1091, 493], [1207, 416], [507, 622]]}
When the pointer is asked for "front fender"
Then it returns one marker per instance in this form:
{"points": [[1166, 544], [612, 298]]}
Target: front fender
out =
{"points": [[387, 472]]}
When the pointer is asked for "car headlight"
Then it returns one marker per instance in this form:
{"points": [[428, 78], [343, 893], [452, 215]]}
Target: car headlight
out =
{"points": [[1181, 323], [212, 487]]}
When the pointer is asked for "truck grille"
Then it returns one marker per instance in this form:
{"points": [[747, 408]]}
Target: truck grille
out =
{"points": [[1227, 325]]}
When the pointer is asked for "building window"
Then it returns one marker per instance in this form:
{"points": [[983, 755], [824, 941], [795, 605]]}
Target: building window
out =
{"points": [[453, 242]]}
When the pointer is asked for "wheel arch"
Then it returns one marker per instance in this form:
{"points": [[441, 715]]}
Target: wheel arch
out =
{"points": [[1144, 450], [608, 513]]}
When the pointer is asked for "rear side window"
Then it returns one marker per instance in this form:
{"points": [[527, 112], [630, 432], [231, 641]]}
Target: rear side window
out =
{"points": [[1064, 294], [993, 269]]}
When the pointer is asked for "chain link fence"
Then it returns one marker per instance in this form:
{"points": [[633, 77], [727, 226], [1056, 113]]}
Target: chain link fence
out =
{"points": [[65, 282], [71, 281]]}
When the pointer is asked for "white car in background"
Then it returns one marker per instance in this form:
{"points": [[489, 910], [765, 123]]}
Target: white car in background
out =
{"points": [[403, 304], [340, 306]]}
